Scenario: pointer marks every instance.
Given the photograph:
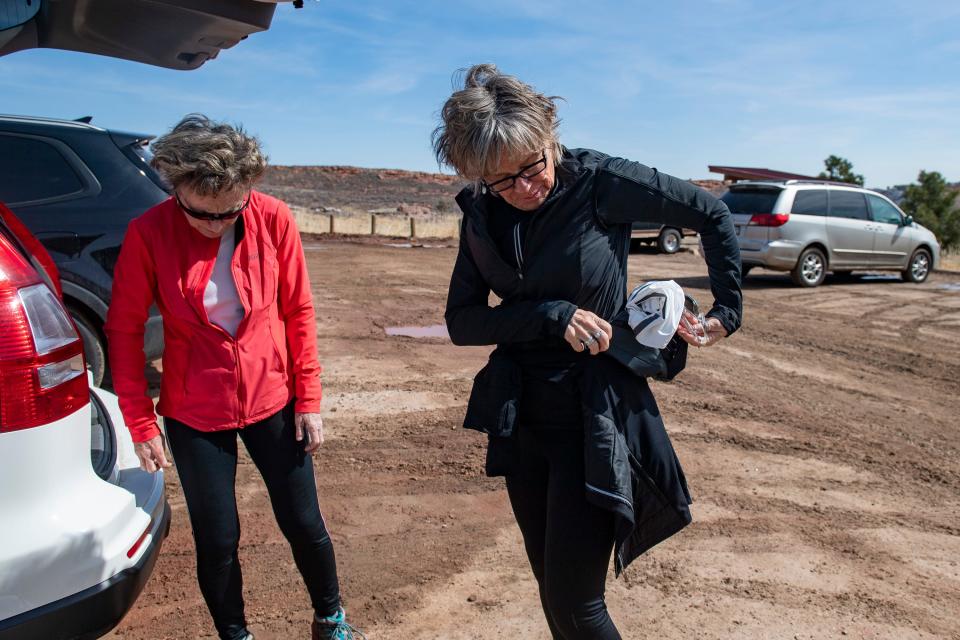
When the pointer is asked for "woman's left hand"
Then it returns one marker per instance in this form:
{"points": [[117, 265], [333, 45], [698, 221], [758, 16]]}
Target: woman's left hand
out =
{"points": [[702, 335], [311, 425]]}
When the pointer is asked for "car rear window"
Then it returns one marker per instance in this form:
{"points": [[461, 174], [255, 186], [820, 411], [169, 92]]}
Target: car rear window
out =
{"points": [[751, 200], [141, 156], [848, 204], [811, 202], [31, 170]]}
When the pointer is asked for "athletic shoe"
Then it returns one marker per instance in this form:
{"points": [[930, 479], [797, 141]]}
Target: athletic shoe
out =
{"points": [[334, 627]]}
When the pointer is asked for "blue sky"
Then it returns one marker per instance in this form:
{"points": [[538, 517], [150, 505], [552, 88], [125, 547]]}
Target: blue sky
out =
{"points": [[733, 82]]}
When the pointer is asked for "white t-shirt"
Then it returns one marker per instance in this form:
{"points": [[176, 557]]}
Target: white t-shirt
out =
{"points": [[220, 298]]}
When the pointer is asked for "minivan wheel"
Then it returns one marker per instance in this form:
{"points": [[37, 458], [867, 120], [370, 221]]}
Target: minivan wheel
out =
{"points": [[94, 349], [811, 268], [669, 241], [918, 268]]}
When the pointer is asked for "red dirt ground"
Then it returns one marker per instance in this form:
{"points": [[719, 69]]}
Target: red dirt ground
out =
{"points": [[820, 442]]}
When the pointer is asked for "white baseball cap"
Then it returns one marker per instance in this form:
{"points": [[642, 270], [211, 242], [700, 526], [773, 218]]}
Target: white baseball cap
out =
{"points": [[655, 309]]}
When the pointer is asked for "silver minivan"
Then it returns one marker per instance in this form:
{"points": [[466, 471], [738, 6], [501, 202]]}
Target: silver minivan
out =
{"points": [[810, 227]]}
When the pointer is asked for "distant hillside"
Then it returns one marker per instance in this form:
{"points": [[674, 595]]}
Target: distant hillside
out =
{"points": [[353, 189], [897, 192]]}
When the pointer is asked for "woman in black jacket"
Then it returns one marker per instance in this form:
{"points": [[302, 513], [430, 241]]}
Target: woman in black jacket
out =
{"points": [[547, 229]]}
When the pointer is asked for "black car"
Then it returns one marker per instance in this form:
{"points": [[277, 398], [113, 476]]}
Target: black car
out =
{"points": [[76, 186]]}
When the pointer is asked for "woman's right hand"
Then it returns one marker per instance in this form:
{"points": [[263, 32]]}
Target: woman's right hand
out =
{"points": [[587, 328], [700, 332], [151, 454]]}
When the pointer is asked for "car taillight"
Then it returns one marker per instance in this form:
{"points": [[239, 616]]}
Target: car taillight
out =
{"points": [[769, 219], [42, 372]]}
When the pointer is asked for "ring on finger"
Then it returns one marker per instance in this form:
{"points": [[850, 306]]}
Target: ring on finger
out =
{"points": [[597, 335]]}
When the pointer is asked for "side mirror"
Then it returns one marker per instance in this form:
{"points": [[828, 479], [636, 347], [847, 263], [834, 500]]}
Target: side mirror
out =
{"points": [[907, 221], [14, 13]]}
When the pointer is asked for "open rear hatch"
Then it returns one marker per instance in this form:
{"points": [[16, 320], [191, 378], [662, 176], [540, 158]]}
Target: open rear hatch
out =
{"points": [[177, 34]]}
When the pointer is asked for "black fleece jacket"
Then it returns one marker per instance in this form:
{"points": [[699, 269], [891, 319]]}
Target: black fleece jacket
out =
{"points": [[575, 254]]}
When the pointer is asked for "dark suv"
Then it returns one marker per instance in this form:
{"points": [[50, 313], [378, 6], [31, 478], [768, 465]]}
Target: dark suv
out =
{"points": [[76, 187]]}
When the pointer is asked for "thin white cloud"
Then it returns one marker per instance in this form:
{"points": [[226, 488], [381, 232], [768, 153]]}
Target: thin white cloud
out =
{"points": [[299, 60], [83, 88], [951, 46], [931, 106], [388, 82]]}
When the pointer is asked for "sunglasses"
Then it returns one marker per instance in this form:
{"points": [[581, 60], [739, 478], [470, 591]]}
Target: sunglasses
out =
{"points": [[212, 217]]}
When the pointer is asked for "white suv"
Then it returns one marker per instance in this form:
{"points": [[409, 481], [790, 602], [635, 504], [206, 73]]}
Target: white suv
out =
{"points": [[82, 523], [811, 227]]}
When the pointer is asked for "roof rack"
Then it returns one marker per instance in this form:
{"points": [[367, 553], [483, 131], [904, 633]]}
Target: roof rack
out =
{"points": [[833, 182], [45, 120]]}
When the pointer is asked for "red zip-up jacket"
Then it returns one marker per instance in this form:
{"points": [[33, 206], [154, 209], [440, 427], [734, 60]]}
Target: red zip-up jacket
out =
{"points": [[210, 380]]}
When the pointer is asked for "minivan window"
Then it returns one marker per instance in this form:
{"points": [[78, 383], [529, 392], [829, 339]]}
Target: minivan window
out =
{"points": [[848, 204], [751, 200], [883, 211], [811, 202], [32, 169]]}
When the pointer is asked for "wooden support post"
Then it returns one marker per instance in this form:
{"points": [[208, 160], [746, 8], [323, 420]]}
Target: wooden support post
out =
{"points": [[331, 223], [413, 228], [373, 224]]}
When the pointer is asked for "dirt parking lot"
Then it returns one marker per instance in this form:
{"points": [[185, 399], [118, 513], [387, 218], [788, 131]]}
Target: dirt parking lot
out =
{"points": [[821, 444]]}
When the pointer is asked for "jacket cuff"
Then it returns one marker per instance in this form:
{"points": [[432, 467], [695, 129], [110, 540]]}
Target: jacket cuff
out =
{"points": [[144, 433], [557, 315], [724, 316], [306, 406]]}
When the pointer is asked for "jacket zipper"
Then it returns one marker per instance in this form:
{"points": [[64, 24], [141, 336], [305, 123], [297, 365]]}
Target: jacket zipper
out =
{"points": [[232, 339], [483, 236], [236, 347], [240, 392], [518, 250], [615, 496]]}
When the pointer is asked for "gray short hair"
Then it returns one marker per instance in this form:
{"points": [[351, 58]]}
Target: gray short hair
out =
{"points": [[493, 116], [209, 157]]}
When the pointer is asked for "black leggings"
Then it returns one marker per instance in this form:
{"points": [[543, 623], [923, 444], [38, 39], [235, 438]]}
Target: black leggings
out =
{"points": [[568, 540], [207, 465]]}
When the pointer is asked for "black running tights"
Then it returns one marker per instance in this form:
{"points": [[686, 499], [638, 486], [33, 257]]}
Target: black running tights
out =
{"points": [[207, 464], [568, 540]]}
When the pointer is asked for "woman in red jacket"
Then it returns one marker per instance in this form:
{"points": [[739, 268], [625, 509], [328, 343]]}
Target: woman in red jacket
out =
{"points": [[225, 266]]}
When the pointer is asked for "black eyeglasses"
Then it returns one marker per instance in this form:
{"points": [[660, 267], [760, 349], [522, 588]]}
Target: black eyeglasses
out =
{"points": [[212, 217], [527, 172]]}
